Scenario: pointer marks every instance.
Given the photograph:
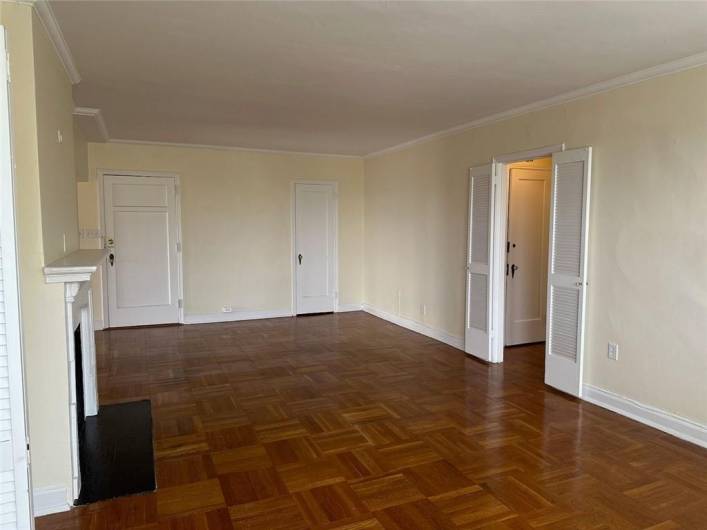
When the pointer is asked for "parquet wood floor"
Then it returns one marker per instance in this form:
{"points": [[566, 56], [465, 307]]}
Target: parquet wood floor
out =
{"points": [[346, 421]]}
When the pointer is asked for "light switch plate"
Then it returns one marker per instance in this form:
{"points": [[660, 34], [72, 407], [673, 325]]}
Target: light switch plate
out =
{"points": [[613, 351]]}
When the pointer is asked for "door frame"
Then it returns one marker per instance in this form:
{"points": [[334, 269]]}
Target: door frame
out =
{"points": [[293, 238], [13, 315], [100, 179], [506, 308], [498, 247]]}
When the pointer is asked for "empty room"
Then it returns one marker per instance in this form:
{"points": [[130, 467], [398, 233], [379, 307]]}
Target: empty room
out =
{"points": [[353, 265]]}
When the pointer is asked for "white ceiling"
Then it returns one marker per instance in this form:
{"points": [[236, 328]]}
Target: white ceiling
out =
{"points": [[350, 77]]}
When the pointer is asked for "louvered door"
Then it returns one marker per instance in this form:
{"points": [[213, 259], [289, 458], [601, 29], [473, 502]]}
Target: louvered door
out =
{"points": [[477, 336], [567, 271], [14, 466]]}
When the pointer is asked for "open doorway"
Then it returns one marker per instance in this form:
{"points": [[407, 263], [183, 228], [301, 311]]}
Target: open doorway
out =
{"points": [[527, 234], [566, 221]]}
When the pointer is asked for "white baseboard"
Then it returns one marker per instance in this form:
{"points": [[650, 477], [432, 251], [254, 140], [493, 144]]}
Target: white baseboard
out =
{"points": [[651, 416], [50, 499], [344, 308], [235, 316], [418, 327], [98, 325]]}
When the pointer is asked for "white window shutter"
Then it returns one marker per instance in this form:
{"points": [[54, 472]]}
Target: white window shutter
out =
{"points": [[478, 284], [567, 269]]}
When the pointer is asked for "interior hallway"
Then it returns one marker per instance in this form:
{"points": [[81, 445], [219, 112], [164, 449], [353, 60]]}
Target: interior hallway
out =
{"points": [[324, 421]]}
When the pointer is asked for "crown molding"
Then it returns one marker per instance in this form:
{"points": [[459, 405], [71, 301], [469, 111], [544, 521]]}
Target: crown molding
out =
{"points": [[46, 15], [233, 148], [97, 115], [672, 67]]}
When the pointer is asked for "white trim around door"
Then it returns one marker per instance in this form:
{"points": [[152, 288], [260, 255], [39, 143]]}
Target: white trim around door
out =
{"points": [[567, 266], [14, 441], [500, 229], [330, 302], [101, 176]]}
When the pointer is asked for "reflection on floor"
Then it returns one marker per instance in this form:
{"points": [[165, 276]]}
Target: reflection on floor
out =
{"points": [[347, 421]]}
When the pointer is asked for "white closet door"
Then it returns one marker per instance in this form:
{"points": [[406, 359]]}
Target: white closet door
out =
{"points": [[567, 271], [477, 335], [14, 465], [315, 248]]}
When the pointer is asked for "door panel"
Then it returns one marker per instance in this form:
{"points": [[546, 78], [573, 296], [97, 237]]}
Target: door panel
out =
{"points": [[141, 222], [315, 226], [142, 265], [526, 278], [142, 195], [567, 275], [478, 333]]}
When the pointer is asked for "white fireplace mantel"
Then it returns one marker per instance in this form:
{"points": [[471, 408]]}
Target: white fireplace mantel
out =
{"points": [[75, 267], [75, 271]]}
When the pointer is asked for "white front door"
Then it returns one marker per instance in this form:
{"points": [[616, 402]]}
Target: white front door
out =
{"points": [[567, 274], [478, 328], [526, 255], [315, 248], [142, 235]]}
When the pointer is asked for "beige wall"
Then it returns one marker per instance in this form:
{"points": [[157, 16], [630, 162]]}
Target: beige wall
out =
{"points": [[80, 153], [57, 172], [648, 239], [647, 251], [36, 75], [236, 220]]}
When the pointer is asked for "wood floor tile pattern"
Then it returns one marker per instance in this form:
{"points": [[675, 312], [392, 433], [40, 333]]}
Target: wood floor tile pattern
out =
{"points": [[349, 422]]}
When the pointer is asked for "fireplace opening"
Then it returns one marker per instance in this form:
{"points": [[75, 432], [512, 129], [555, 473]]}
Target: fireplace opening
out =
{"points": [[115, 446], [78, 368]]}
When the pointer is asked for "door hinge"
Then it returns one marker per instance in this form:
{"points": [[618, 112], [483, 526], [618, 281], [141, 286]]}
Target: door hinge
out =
{"points": [[180, 303], [179, 246]]}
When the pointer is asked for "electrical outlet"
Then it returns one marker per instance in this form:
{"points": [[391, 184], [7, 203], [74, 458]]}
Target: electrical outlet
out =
{"points": [[613, 351], [59, 136], [227, 309]]}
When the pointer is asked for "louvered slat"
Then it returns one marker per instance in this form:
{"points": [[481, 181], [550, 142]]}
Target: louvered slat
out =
{"points": [[477, 336], [567, 226], [563, 334], [479, 295], [481, 188]]}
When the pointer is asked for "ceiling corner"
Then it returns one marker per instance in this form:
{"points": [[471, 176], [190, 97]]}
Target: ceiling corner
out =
{"points": [[92, 123]]}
